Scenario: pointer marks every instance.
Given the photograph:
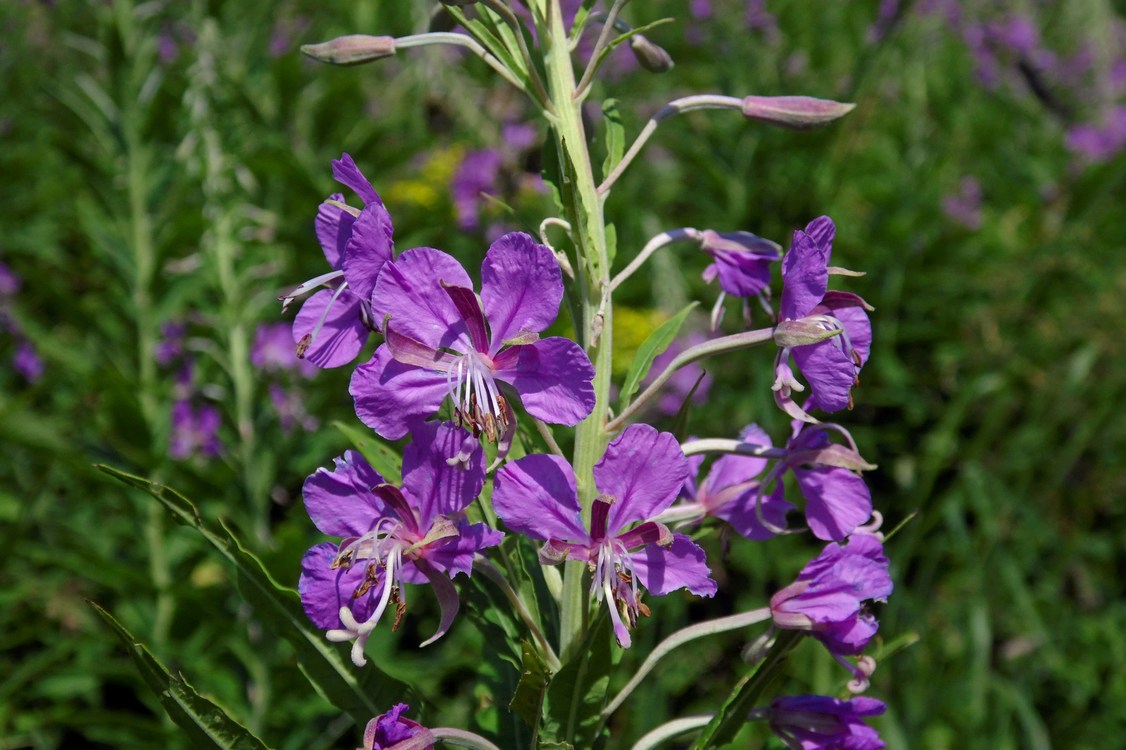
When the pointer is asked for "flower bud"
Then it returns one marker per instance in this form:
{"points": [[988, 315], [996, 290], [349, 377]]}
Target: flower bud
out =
{"points": [[794, 112], [791, 333], [354, 49], [650, 56]]}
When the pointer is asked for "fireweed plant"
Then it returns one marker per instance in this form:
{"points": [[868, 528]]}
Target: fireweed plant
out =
{"points": [[572, 546]]}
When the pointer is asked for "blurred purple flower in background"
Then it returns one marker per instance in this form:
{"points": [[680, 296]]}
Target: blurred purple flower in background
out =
{"points": [[1102, 142], [27, 362], [964, 206], [195, 431], [272, 351], [477, 175], [170, 346]]}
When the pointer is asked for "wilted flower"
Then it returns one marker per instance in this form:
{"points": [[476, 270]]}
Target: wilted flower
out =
{"points": [[413, 533], [639, 476], [445, 341]]}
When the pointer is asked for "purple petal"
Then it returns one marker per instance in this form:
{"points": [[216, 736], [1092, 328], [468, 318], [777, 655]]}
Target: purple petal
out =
{"points": [[345, 171], [406, 350], [433, 486], [741, 513], [340, 502], [342, 331], [553, 377], [521, 287], [858, 328], [829, 371], [822, 231], [837, 501], [368, 249], [455, 555], [805, 277], [391, 397], [643, 470], [410, 291], [328, 230], [324, 591], [536, 496], [849, 636], [680, 565], [731, 469]]}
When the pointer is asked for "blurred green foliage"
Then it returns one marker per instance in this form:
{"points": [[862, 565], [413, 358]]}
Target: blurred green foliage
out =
{"points": [[162, 163]]}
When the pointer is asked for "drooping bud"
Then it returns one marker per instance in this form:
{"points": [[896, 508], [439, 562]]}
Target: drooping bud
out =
{"points": [[794, 112], [650, 56], [354, 49]]}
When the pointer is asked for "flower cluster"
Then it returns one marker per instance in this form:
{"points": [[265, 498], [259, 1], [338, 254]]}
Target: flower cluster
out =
{"points": [[461, 362]]}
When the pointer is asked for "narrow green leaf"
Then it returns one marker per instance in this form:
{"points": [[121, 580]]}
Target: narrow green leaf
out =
{"points": [[657, 342], [615, 136], [204, 722], [747, 692], [488, 39], [362, 694], [611, 242], [528, 699], [577, 694], [380, 455]]}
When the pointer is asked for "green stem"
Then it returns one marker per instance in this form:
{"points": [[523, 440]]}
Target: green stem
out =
{"points": [[592, 273]]}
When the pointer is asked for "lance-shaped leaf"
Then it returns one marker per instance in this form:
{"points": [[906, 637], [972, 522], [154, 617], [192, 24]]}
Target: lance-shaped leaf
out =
{"points": [[577, 694], [658, 341], [361, 695], [531, 691], [205, 723]]}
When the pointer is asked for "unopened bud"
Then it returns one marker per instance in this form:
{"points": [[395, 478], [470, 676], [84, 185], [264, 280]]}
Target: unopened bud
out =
{"points": [[354, 49], [650, 56], [794, 112], [791, 333]]}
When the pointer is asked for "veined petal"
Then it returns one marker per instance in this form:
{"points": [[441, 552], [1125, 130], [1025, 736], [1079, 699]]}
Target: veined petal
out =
{"points": [[829, 371], [822, 231], [731, 469], [742, 274], [345, 171], [553, 377], [391, 397], [325, 590], [837, 501], [434, 487], [643, 470], [340, 502], [521, 287], [680, 565], [368, 249], [327, 227], [742, 514], [410, 352], [858, 328], [410, 291], [331, 319], [805, 277], [536, 496]]}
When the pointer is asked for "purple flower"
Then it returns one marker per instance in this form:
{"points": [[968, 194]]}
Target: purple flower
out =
{"points": [[478, 173], [438, 344], [741, 262], [273, 351], [732, 489], [414, 533], [170, 347], [818, 722], [387, 731], [964, 206], [640, 476], [27, 362], [9, 282], [195, 431], [837, 500], [809, 311], [334, 323], [828, 598]]}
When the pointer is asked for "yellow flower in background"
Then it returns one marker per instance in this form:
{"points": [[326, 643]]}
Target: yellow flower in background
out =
{"points": [[429, 188], [631, 327]]}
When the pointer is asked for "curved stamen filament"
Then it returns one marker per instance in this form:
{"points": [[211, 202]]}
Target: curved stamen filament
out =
{"points": [[476, 398]]}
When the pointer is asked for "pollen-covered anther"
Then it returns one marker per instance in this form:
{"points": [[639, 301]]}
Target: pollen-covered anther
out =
{"points": [[400, 608]]}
